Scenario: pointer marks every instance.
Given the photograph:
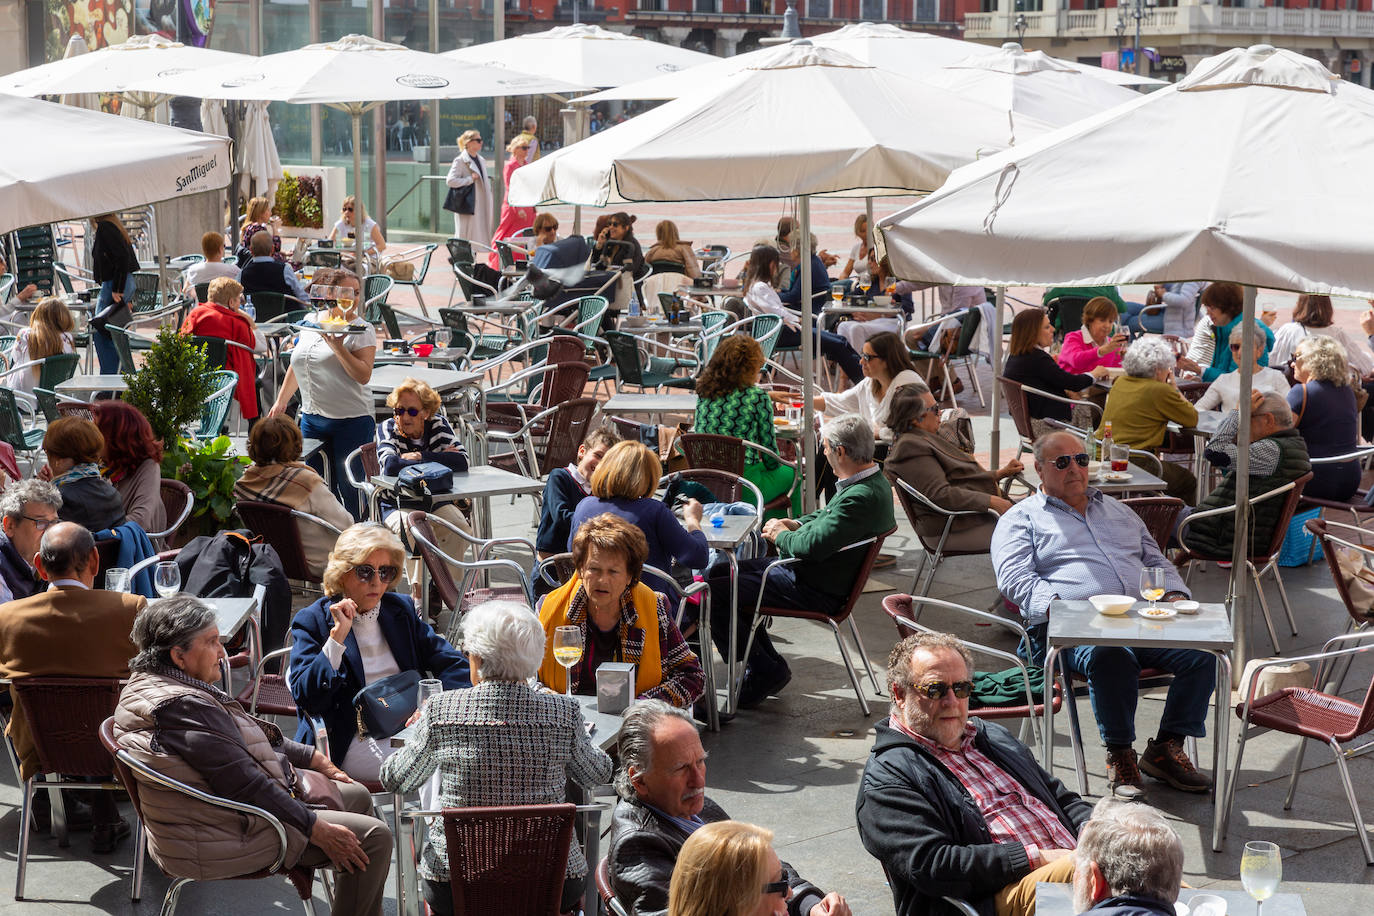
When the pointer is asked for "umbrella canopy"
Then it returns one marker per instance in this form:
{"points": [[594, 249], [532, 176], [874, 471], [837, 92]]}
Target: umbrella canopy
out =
{"points": [[1030, 83], [255, 156], [1099, 203], [585, 54], [913, 54], [76, 46], [740, 137], [90, 162]]}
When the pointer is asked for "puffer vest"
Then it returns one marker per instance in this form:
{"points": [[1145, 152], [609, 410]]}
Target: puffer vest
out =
{"points": [[1214, 536], [188, 838]]}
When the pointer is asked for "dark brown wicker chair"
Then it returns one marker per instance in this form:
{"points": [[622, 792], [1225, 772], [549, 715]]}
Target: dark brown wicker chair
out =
{"points": [[1158, 513], [509, 860], [604, 889], [727, 453], [558, 382], [177, 503], [279, 527], [565, 425]]}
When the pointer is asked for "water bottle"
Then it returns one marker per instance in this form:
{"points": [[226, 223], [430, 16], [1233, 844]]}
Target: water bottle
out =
{"points": [[249, 310], [634, 306]]}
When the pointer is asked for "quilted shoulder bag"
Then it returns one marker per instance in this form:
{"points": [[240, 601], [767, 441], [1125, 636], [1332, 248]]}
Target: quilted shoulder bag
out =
{"points": [[384, 706]]}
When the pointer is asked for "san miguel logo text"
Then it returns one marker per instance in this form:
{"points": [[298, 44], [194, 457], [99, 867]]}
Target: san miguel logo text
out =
{"points": [[196, 174]]}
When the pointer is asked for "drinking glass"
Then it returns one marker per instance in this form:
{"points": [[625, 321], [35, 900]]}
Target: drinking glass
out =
{"points": [[567, 651], [443, 337], [167, 578], [344, 295], [1152, 584], [1261, 867], [117, 579], [430, 687], [1120, 457]]}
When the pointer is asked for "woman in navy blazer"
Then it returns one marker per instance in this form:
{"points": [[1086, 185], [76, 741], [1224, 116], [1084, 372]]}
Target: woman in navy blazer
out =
{"points": [[360, 633]]}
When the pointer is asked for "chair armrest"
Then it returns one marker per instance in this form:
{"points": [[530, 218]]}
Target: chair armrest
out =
{"points": [[763, 582], [1227, 510], [1322, 658], [315, 519], [1358, 454], [485, 544]]}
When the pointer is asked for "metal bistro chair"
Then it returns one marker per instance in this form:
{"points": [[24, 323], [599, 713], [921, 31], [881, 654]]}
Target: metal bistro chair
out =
{"points": [[422, 254], [458, 595], [279, 527], [361, 466], [1018, 397], [131, 773], [605, 891], [217, 404], [566, 424], [728, 453], [177, 502], [934, 553], [508, 859], [547, 385], [1158, 513], [632, 368]]}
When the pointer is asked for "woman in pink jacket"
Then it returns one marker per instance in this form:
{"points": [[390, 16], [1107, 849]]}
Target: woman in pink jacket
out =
{"points": [[1094, 344]]}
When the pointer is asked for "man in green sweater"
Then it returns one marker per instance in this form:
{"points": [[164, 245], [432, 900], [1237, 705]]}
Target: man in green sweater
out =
{"points": [[861, 508]]}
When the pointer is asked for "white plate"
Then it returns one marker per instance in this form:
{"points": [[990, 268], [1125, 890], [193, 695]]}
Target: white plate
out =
{"points": [[1159, 613], [1115, 477]]}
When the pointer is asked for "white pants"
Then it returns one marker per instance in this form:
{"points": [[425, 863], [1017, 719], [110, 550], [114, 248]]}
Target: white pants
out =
{"points": [[856, 332], [448, 542]]}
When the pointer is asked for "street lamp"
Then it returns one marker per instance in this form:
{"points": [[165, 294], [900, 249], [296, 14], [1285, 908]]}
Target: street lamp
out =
{"points": [[1141, 10], [1120, 33], [791, 27]]}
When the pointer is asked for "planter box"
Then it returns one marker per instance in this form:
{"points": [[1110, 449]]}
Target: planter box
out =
{"points": [[332, 189]]}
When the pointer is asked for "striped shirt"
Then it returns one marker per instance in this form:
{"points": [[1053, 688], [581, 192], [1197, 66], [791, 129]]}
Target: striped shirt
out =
{"points": [[391, 443]]}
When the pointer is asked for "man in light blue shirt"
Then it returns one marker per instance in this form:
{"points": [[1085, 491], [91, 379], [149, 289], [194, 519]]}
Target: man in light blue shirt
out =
{"points": [[1071, 541]]}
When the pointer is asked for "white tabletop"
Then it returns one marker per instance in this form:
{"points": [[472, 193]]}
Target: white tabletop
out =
{"points": [[1077, 623], [477, 482], [732, 531], [385, 378], [239, 446], [230, 613], [650, 403], [659, 326], [87, 383], [1057, 900], [1141, 479]]}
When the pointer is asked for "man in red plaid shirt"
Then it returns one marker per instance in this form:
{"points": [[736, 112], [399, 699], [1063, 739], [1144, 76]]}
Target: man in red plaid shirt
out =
{"points": [[955, 807]]}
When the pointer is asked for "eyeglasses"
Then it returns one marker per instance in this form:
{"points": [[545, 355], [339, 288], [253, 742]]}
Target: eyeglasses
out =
{"points": [[1062, 462], [406, 411], [775, 887], [937, 690], [42, 524], [366, 571], [927, 411], [866, 357], [348, 209], [1235, 347], [615, 225]]}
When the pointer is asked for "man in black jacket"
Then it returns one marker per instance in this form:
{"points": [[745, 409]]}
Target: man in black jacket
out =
{"points": [[27, 509], [662, 787], [954, 807]]}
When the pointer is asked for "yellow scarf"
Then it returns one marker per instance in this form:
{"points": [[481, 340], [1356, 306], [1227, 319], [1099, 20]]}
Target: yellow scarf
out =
{"points": [[638, 640]]}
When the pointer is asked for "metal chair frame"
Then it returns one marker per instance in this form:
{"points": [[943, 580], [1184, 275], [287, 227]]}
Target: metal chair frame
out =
{"points": [[931, 558]]}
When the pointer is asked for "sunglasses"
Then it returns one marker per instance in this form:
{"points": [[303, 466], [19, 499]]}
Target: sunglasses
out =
{"points": [[866, 357], [937, 690], [775, 887], [1062, 462], [406, 411], [348, 209], [366, 571]]}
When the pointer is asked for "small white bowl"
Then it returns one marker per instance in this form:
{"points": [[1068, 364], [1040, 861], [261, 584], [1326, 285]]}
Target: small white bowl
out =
{"points": [[1186, 607], [1112, 605]]}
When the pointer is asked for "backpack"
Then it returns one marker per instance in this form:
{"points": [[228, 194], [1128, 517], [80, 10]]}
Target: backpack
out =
{"points": [[231, 564]]}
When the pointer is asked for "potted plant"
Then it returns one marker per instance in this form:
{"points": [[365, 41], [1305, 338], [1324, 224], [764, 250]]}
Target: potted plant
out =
{"points": [[211, 472]]}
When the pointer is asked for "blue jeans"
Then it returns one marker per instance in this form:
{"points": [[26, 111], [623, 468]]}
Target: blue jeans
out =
{"points": [[833, 347], [340, 438], [1113, 674], [1152, 323], [105, 352]]}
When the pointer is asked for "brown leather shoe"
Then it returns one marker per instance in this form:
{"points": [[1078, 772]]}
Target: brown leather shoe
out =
{"points": [[1166, 760], [1122, 770]]}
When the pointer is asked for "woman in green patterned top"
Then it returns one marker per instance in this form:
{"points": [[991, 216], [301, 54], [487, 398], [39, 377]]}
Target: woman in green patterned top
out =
{"points": [[730, 403]]}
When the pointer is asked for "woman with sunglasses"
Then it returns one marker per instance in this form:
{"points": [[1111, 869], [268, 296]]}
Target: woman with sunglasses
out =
{"points": [[1224, 393], [351, 215], [943, 473], [728, 868], [513, 219], [359, 633], [1143, 402], [418, 433]]}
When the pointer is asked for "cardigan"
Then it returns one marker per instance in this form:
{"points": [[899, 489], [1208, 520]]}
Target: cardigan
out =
{"points": [[215, 320], [859, 509], [1079, 353], [1139, 409]]}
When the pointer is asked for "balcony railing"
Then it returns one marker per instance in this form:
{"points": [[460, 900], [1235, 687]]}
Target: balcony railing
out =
{"points": [[1183, 20]]}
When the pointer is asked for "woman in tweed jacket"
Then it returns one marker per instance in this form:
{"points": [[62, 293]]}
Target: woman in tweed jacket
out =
{"points": [[501, 742]]}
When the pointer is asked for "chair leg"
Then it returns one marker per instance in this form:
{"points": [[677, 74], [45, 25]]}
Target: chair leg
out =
{"points": [[915, 582], [1264, 607], [1231, 784], [1293, 777], [1071, 704], [930, 575], [849, 668], [25, 822], [169, 903], [1283, 592], [863, 655], [140, 856], [1350, 796]]}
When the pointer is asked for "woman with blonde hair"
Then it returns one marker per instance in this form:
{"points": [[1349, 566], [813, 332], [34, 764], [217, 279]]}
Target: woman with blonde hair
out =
{"points": [[1325, 412], [624, 485], [728, 868], [48, 334], [357, 634], [259, 219], [353, 213], [469, 170], [668, 246]]}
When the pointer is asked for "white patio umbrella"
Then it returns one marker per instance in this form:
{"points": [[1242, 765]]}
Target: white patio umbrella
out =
{"points": [[1271, 189], [255, 153], [76, 46], [1030, 83], [740, 137], [90, 162], [354, 74], [586, 54]]}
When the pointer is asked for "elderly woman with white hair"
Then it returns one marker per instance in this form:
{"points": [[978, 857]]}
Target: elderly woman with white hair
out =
{"points": [[1143, 402], [1224, 393], [1325, 413], [501, 743], [357, 634]]}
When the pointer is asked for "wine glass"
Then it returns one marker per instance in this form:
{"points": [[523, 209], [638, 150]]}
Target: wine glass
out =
{"points": [[1152, 584], [567, 651], [167, 578], [1261, 867]]}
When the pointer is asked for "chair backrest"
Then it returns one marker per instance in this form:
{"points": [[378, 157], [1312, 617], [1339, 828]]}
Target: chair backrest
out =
{"points": [[1290, 506], [47, 403], [422, 269], [1158, 513], [1344, 537], [270, 306], [120, 338], [63, 715], [203, 292], [915, 504], [388, 315], [147, 290], [459, 250], [1017, 406], [216, 350], [368, 455], [605, 890], [122, 771], [724, 484], [508, 860], [1066, 312], [708, 450], [870, 557], [376, 287], [11, 422], [217, 405], [567, 429], [72, 408], [561, 348], [276, 526], [766, 329], [177, 503], [504, 254], [453, 319], [625, 354], [968, 330], [563, 382], [439, 572], [590, 309]]}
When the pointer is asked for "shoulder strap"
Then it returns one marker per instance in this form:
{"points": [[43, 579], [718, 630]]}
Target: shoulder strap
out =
{"points": [[1302, 408]]}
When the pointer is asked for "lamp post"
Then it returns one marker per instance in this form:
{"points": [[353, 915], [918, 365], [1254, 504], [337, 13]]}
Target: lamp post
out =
{"points": [[1140, 11], [791, 27], [1120, 33]]}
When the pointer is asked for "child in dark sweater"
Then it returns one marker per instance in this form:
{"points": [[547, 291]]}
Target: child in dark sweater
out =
{"points": [[565, 489]]}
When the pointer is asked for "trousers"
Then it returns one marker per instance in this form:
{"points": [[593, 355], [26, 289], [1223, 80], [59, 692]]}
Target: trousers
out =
{"points": [[340, 438], [357, 893]]}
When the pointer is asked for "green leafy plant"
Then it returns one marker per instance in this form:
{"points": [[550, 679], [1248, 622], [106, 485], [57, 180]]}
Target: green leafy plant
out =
{"points": [[173, 385], [211, 472]]}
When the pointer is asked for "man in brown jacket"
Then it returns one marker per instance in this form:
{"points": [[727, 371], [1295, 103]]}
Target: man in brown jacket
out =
{"points": [[68, 630]]}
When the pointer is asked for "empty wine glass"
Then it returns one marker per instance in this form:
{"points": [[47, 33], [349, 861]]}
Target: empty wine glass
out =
{"points": [[1261, 867], [1152, 584], [567, 651], [167, 578]]}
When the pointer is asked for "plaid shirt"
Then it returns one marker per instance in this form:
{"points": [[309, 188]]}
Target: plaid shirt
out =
{"points": [[1012, 814], [498, 743]]}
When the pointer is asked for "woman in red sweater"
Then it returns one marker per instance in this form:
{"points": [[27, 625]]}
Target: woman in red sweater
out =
{"points": [[223, 316]]}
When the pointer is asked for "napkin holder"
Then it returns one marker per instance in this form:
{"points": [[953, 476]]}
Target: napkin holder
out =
{"points": [[615, 687]]}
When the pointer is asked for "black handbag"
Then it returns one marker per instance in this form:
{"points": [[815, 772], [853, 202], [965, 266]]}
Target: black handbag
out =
{"points": [[462, 200], [428, 478], [384, 706]]}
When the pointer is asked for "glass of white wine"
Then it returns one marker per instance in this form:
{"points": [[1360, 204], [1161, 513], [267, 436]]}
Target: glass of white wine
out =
{"points": [[567, 651], [1261, 867], [1152, 584], [167, 578]]}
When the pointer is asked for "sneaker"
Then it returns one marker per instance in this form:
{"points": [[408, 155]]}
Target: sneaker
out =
{"points": [[107, 837], [1122, 770], [759, 687], [1166, 761]]}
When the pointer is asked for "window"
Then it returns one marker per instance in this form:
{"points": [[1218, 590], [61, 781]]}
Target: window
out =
{"points": [[651, 6], [872, 10], [705, 6], [927, 11], [819, 9]]}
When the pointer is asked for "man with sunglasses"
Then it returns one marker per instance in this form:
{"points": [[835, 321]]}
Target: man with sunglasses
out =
{"points": [[957, 807], [1071, 541]]}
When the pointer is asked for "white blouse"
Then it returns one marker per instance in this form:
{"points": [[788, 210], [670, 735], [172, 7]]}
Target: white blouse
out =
{"points": [[762, 297], [859, 399], [1224, 393], [365, 755], [327, 390]]}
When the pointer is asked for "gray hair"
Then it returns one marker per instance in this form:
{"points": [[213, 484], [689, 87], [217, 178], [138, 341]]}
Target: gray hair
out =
{"points": [[1146, 357], [508, 637], [65, 548], [852, 433], [530, 123], [22, 492], [1136, 850], [1239, 331], [1043, 443], [637, 740], [165, 625], [1276, 406]]}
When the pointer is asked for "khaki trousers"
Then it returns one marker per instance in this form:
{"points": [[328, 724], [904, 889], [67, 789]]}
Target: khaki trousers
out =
{"points": [[1018, 899], [357, 893]]}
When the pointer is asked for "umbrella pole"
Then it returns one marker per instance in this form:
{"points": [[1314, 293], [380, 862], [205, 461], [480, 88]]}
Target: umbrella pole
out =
{"points": [[235, 125], [808, 356], [357, 113], [1240, 581], [995, 437]]}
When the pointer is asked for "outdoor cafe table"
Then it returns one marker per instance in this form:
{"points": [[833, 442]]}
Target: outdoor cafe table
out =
{"points": [[478, 483], [1057, 900], [1142, 481], [656, 327], [1208, 421], [90, 384], [1077, 623], [650, 403], [604, 730], [727, 538]]}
